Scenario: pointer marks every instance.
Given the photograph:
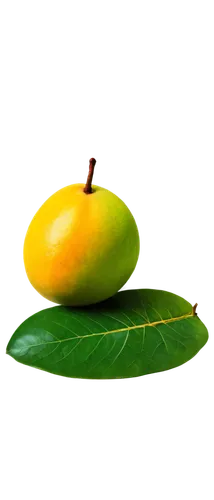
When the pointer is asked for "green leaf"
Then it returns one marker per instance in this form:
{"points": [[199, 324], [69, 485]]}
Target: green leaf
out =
{"points": [[134, 333]]}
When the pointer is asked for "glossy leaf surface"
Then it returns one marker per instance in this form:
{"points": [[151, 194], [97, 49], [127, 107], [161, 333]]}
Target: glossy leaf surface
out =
{"points": [[134, 333]]}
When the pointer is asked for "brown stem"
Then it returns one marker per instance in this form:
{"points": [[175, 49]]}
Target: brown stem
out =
{"points": [[88, 189], [195, 308]]}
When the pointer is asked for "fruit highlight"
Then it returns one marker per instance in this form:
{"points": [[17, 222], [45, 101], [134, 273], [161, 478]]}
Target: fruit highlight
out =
{"points": [[82, 245]]}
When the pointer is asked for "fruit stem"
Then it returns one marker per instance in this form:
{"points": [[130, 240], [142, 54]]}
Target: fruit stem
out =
{"points": [[194, 310], [88, 189]]}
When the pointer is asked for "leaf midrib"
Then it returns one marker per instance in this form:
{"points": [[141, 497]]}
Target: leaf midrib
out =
{"points": [[128, 328]]}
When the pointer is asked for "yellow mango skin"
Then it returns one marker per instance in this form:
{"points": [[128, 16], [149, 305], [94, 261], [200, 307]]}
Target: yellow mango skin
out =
{"points": [[81, 248]]}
